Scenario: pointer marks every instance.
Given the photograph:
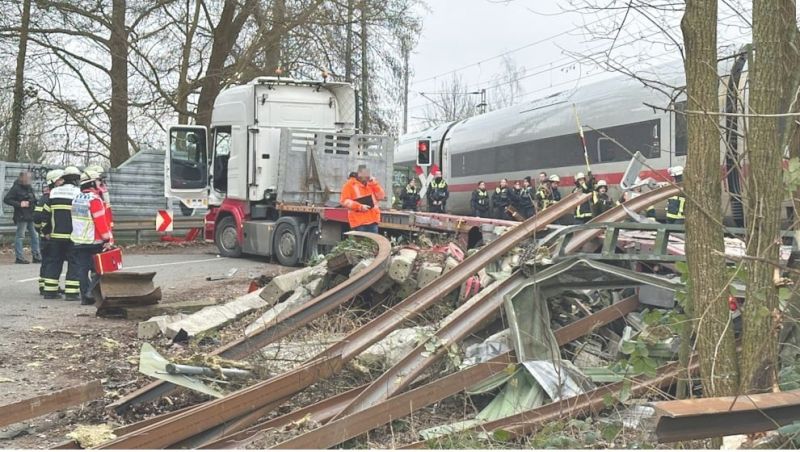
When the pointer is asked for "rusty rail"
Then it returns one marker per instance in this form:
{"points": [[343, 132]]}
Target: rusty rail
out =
{"points": [[337, 431], [594, 401], [684, 420], [285, 323], [210, 414], [618, 213]]}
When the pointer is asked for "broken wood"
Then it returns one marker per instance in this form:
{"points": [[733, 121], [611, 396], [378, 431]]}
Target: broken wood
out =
{"points": [[44, 404]]}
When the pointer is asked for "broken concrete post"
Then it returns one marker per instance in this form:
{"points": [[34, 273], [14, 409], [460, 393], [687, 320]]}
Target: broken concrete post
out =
{"points": [[401, 265], [282, 285], [427, 274], [300, 296], [315, 286], [154, 326], [383, 284], [450, 263], [361, 266], [406, 288], [213, 317]]}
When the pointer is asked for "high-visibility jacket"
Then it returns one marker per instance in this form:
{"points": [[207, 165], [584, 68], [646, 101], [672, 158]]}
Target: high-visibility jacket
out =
{"points": [[39, 217], [675, 208], [544, 198], [106, 197], [480, 200], [585, 210], [438, 191], [354, 189], [502, 197], [410, 197], [89, 221], [601, 202], [58, 212]]}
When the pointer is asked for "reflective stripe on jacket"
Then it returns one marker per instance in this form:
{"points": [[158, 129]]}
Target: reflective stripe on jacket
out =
{"points": [[58, 211], [354, 189], [675, 208], [89, 221]]}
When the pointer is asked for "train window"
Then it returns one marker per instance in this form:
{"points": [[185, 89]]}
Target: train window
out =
{"points": [[564, 150], [681, 129]]}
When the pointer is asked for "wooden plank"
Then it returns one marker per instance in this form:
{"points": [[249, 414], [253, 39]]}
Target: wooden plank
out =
{"points": [[44, 404]]}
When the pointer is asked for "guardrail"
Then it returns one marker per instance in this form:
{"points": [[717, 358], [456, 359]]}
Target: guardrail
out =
{"points": [[138, 225]]}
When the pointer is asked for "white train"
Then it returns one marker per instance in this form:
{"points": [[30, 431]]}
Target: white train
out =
{"points": [[542, 135]]}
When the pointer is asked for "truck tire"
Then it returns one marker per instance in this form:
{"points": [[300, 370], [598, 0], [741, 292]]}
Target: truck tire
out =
{"points": [[312, 247], [226, 237], [286, 246]]}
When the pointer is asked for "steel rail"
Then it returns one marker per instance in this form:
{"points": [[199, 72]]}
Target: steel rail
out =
{"points": [[323, 411], [420, 300], [618, 213], [211, 414], [340, 430], [285, 323], [685, 420], [319, 412], [594, 401]]}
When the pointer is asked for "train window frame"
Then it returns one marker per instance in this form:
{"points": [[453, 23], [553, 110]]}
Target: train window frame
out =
{"points": [[681, 135]]}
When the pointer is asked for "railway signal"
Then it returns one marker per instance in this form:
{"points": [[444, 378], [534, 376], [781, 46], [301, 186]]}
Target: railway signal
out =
{"points": [[424, 152]]}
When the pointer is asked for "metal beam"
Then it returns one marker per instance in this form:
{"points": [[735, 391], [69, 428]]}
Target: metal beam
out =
{"points": [[584, 326], [55, 401], [340, 430], [286, 322], [210, 414], [685, 420]]}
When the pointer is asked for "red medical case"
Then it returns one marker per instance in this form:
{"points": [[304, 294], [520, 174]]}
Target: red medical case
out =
{"points": [[108, 261]]}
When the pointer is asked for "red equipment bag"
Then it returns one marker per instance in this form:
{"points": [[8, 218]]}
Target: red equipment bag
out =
{"points": [[108, 261]]}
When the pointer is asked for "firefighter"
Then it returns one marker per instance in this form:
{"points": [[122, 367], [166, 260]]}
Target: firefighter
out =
{"points": [[601, 201], [544, 196], [410, 196], [57, 226], [91, 230], [437, 194], [542, 179], [584, 184], [676, 205], [53, 180], [102, 186], [360, 195], [554, 181], [480, 201], [501, 198], [525, 204]]}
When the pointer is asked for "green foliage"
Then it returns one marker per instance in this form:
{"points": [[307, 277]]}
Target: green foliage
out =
{"points": [[610, 432]]}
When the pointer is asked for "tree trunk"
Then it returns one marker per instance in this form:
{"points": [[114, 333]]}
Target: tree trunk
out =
{"points": [[406, 52], [348, 45], [364, 70], [704, 237], [182, 101], [278, 31], [118, 113], [18, 105], [770, 76], [225, 34]]}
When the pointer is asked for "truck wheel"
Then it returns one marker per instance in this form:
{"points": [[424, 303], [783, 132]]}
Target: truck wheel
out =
{"points": [[226, 238], [312, 248], [287, 246]]}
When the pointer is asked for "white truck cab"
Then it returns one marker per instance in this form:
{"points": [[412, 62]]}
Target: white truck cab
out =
{"points": [[277, 151]]}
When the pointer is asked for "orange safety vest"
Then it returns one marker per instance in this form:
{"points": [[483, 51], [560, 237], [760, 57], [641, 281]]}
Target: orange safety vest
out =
{"points": [[354, 189]]}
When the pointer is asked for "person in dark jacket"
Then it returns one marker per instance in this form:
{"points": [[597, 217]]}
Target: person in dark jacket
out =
{"points": [[480, 201], [525, 199], [601, 202], [23, 200], [410, 196], [503, 197], [437, 194], [53, 179]]}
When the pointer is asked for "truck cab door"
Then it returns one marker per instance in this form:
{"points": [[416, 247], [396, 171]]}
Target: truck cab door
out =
{"points": [[186, 166]]}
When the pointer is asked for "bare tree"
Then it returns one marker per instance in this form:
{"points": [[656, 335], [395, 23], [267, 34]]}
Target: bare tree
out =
{"points": [[18, 106]]}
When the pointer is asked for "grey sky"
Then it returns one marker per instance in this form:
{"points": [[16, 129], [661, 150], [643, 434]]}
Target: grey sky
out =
{"points": [[459, 33]]}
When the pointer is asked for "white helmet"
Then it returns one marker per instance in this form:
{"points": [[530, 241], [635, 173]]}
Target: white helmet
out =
{"points": [[53, 175], [602, 183], [554, 178], [89, 176], [580, 176], [96, 168], [676, 171], [71, 171]]}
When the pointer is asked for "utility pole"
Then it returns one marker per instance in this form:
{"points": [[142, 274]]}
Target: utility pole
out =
{"points": [[405, 51], [364, 70], [482, 106]]}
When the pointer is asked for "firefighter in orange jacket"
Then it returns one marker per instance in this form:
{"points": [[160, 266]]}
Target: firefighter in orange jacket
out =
{"points": [[360, 195]]}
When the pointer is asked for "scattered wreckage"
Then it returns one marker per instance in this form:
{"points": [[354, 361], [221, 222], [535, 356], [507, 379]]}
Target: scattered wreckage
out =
{"points": [[587, 316]]}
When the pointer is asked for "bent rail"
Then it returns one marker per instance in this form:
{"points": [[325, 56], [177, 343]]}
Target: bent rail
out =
{"points": [[286, 322]]}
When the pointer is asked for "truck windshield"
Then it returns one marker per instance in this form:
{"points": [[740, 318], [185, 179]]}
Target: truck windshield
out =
{"points": [[188, 159]]}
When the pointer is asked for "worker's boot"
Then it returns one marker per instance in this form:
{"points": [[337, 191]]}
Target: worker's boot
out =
{"points": [[52, 296], [72, 297]]}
